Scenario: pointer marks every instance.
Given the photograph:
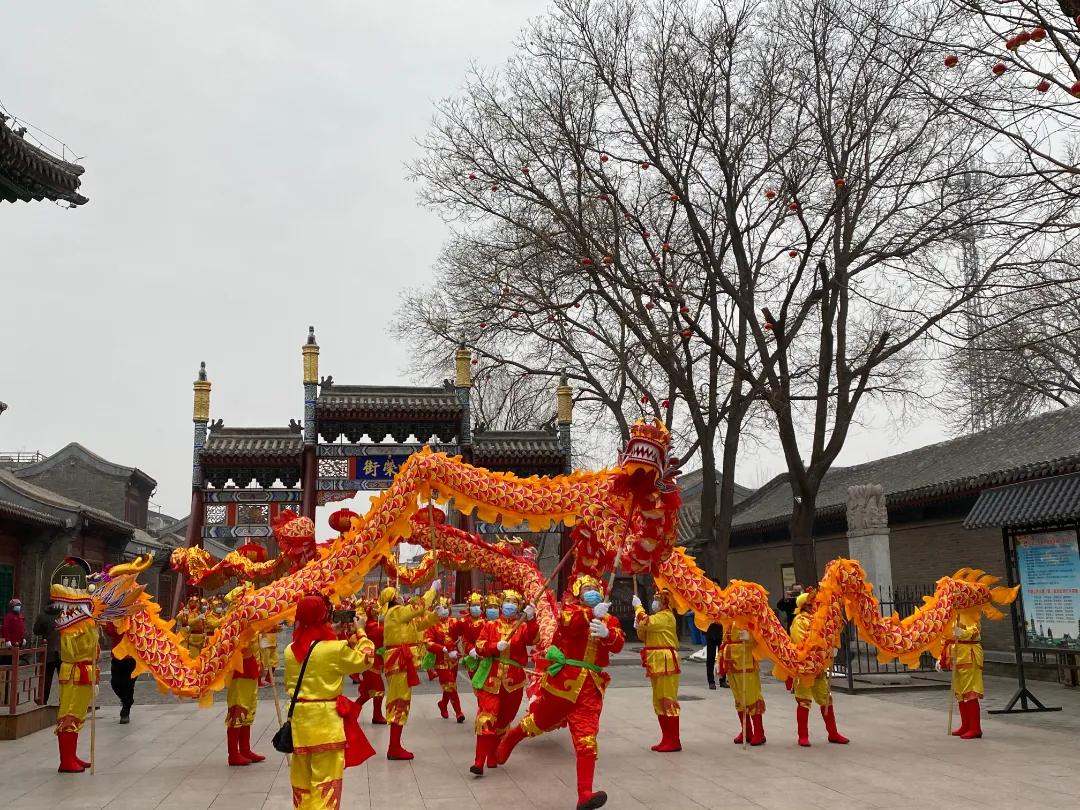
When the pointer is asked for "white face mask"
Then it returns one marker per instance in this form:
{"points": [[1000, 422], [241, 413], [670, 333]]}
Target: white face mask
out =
{"points": [[655, 606], [442, 613]]}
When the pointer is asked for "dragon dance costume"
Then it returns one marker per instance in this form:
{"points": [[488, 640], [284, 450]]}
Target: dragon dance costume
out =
{"points": [[572, 688], [964, 656], [403, 628], [78, 671], [326, 735], [738, 663], [242, 699], [371, 685], [819, 690], [500, 676], [660, 657], [441, 644]]}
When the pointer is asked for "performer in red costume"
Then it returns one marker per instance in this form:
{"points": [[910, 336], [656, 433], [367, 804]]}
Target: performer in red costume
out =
{"points": [[242, 698], [371, 680], [500, 677], [572, 689], [440, 642]]}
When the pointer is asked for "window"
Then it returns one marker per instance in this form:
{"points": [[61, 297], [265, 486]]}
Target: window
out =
{"points": [[787, 577], [7, 586]]}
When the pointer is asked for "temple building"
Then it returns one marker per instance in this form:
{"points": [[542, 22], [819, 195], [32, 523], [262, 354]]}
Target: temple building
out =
{"points": [[29, 172], [353, 439]]}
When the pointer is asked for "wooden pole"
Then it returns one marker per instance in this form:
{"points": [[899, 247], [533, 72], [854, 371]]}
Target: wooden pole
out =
{"points": [[94, 668], [952, 692]]}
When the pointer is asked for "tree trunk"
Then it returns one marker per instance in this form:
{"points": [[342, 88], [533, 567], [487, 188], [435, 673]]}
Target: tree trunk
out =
{"points": [[713, 558], [801, 531]]}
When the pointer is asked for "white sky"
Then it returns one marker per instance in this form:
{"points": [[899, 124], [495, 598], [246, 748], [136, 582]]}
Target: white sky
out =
{"points": [[244, 163]]}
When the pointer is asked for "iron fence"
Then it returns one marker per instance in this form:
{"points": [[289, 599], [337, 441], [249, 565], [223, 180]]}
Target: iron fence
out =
{"points": [[859, 660]]}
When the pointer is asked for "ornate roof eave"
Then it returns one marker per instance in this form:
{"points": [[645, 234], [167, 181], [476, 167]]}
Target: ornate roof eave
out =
{"points": [[28, 172]]}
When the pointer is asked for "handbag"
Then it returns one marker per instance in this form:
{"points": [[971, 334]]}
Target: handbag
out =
{"points": [[282, 740]]}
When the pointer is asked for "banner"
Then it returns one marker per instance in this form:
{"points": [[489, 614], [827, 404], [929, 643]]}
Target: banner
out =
{"points": [[1049, 567]]}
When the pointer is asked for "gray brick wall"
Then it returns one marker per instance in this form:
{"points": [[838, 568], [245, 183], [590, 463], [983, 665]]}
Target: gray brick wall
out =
{"points": [[81, 482]]}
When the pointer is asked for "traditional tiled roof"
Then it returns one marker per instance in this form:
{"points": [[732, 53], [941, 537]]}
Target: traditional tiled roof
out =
{"points": [[1042, 446], [28, 172], [74, 450], [389, 402], [1044, 502], [690, 487], [20, 493], [525, 446], [229, 443], [28, 514]]}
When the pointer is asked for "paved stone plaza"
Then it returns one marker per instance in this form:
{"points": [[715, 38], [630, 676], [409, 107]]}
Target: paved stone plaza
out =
{"points": [[172, 757]]}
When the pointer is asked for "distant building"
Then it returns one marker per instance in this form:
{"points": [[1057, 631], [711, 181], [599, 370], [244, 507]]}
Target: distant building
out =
{"points": [[691, 487]]}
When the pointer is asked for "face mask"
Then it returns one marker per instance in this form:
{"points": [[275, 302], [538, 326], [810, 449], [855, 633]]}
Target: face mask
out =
{"points": [[655, 606], [475, 611], [491, 613], [591, 598], [509, 610], [219, 610], [17, 609], [442, 613]]}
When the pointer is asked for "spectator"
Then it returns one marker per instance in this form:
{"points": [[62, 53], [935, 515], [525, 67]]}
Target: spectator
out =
{"points": [[121, 671], [786, 605], [14, 631], [45, 627], [714, 637]]}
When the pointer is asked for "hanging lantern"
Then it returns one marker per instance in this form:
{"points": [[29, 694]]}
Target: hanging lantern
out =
{"points": [[604, 157], [644, 166], [951, 60], [1037, 34], [770, 194], [998, 69], [1043, 86]]}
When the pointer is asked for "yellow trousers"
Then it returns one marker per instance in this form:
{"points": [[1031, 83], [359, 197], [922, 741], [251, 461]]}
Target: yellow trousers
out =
{"points": [[242, 697], [398, 698], [316, 780], [818, 692], [665, 695], [74, 703], [746, 689], [968, 682]]}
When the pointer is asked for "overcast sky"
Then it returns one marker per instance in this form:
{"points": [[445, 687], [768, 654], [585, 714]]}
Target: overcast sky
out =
{"points": [[245, 168]]}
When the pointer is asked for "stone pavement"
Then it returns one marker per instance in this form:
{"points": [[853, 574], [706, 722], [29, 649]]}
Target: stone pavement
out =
{"points": [[172, 757]]}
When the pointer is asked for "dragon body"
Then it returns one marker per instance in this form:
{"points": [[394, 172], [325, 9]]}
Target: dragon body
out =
{"points": [[623, 518]]}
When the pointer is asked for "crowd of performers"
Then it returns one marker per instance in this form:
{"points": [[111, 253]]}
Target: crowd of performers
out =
{"points": [[384, 645]]}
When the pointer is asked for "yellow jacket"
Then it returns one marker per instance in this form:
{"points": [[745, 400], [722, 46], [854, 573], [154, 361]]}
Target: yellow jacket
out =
{"points": [[738, 654], [660, 655], [77, 646], [316, 724], [403, 630], [800, 629]]}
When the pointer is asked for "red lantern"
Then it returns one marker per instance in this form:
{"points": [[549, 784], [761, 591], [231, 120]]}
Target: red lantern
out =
{"points": [[525, 170], [603, 197], [839, 182], [472, 175], [627, 216], [577, 305], [483, 324], [793, 205], [649, 305], [608, 259], [494, 186], [951, 60], [1022, 38], [768, 326], [1075, 89], [666, 247], [793, 253], [998, 69], [644, 166], [686, 332], [586, 262], [1077, 20], [603, 157], [1012, 43], [770, 194], [665, 404], [1037, 34], [644, 399], [684, 310], [475, 362], [551, 318], [674, 197], [1043, 86], [645, 234]]}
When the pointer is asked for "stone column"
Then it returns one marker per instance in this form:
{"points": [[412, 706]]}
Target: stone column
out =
{"points": [[868, 535]]}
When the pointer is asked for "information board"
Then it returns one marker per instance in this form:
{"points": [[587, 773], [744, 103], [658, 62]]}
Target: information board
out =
{"points": [[1049, 568]]}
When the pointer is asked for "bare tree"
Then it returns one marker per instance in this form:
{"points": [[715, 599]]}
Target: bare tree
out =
{"points": [[677, 168]]}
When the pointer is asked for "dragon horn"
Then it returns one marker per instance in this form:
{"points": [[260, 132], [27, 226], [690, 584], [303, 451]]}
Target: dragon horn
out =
{"points": [[136, 566]]}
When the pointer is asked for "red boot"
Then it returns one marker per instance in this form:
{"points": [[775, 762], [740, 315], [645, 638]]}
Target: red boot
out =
{"points": [[395, 749], [243, 739], [670, 742], [235, 757], [508, 743], [757, 735], [829, 716], [377, 717], [587, 798], [965, 721], [492, 751], [974, 730], [802, 719], [455, 701], [442, 706], [485, 750], [742, 725], [67, 742], [663, 733]]}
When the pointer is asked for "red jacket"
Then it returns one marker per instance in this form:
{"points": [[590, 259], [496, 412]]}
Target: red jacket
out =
{"points": [[439, 640], [507, 676], [14, 627], [573, 638], [468, 629], [374, 630]]}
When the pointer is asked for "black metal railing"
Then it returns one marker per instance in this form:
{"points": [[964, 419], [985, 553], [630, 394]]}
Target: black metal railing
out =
{"points": [[856, 658]]}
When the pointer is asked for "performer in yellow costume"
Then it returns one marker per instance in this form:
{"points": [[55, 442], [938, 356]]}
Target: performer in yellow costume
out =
{"points": [[660, 657], [325, 732], [964, 656], [738, 664], [78, 649], [403, 640], [197, 629], [242, 697], [268, 655], [818, 691]]}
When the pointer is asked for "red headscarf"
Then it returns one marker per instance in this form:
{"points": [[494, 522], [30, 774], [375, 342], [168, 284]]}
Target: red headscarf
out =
{"points": [[312, 624]]}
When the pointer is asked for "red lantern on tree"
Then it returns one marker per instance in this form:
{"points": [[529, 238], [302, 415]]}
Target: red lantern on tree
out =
{"points": [[674, 197], [604, 157], [951, 60], [586, 261], [665, 404], [525, 170], [770, 194], [686, 332], [627, 216], [644, 399], [472, 175], [1043, 86], [494, 186], [839, 182], [649, 305], [1075, 89], [998, 69], [483, 324], [644, 166], [684, 310], [608, 259], [603, 197], [666, 247], [793, 206], [1022, 38], [645, 235], [793, 253], [1012, 43], [1037, 34]]}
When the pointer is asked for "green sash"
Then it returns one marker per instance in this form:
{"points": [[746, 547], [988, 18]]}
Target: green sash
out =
{"points": [[483, 669], [428, 661], [559, 660]]}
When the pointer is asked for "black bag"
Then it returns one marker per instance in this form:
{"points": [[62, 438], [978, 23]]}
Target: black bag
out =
{"points": [[282, 740]]}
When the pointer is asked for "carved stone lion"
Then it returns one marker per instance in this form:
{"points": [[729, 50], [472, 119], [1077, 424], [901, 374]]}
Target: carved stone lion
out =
{"points": [[866, 507]]}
